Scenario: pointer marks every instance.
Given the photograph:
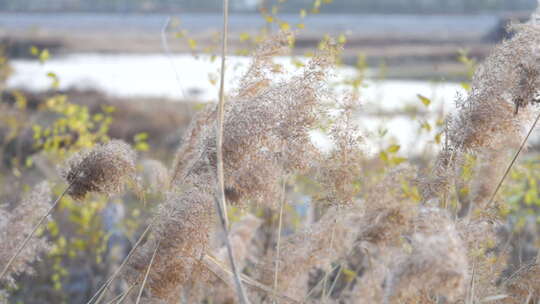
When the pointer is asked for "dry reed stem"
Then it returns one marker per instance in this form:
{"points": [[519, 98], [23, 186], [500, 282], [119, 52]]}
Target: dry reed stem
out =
{"points": [[221, 204], [499, 184], [121, 297], [211, 263], [103, 289], [278, 245], [146, 275]]}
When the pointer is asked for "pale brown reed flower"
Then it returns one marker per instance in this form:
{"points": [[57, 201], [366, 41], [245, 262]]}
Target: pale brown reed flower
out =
{"points": [[266, 134], [487, 172], [103, 169], [487, 258], [16, 224], [498, 110], [436, 266], [184, 223], [387, 217], [315, 247], [523, 285], [387, 210], [266, 130], [155, 176], [339, 170]]}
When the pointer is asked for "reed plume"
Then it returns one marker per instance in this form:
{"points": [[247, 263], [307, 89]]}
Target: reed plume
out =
{"points": [[16, 225], [103, 169], [437, 265], [265, 134], [498, 110]]}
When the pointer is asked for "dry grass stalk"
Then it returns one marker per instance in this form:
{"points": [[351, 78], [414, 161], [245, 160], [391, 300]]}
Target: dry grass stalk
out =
{"points": [[139, 296], [102, 291], [241, 235]]}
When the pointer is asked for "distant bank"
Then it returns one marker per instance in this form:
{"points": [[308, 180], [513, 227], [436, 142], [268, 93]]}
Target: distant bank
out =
{"points": [[417, 46]]}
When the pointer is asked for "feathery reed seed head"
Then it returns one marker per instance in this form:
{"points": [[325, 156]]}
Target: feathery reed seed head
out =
{"points": [[103, 169], [17, 224]]}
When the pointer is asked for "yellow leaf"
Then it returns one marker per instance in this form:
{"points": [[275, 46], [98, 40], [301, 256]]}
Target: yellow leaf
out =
{"points": [[300, 25], [297, 63], [179, 34], [303, 13], [383, 156], [342, 39], [244, 37], [426, 126], [34, 50], [192, 43], [44, 55], [393, 148], [438, 138], [284, 26], [426, 101], [55, 80], [397, 160]]}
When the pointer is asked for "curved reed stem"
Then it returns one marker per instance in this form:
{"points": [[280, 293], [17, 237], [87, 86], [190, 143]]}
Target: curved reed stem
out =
{"points": [[513, 160], [103, 289], [146, 275], [221, 113], [221, 203], [27, 239], [118, 299]]}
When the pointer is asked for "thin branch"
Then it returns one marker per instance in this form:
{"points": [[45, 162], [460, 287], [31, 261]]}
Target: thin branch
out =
{"points": [[167, 50], [147, 273], [103, 289], [118, 299], [319, 283], [40, 222], [333, 285], [513, 160]]}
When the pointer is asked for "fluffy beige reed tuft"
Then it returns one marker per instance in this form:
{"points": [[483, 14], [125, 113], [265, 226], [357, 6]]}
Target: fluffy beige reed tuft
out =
{"points": [[437, 265], [16, 224], [104, 169], [498, 111]]}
